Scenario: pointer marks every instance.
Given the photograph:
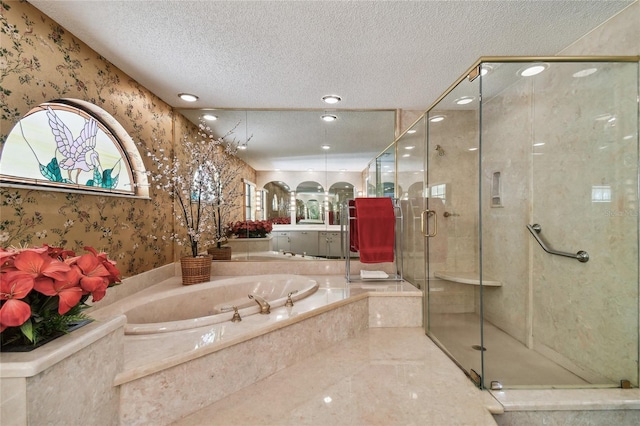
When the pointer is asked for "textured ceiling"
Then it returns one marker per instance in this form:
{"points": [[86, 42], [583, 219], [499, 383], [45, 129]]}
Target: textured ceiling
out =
{"points": [[288, 54]]}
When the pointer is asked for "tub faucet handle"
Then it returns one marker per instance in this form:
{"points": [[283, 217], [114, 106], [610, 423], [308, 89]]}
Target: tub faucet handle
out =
{"points": [[289, 302], [236, 314]]}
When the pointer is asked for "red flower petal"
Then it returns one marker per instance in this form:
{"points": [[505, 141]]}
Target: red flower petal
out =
{"points": [[92, 284], [99, 293], [69, 297], [14, 313], [15, 285], [92, 250], [91, 266], [40, 264], [46, 286]]}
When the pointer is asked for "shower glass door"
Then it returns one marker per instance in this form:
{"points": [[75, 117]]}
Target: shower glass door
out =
{"points": [[451, 227], [559, 149], [410, 148]]}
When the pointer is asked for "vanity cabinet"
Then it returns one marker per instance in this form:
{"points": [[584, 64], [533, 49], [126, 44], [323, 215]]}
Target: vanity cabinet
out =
{"points": [[281, 241], [323, 243], [298, 242], [329, 244], [304, 242]]}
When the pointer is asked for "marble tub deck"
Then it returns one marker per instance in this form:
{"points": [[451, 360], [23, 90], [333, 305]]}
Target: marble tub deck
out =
{"points": [[146, 354], [382, 376]]}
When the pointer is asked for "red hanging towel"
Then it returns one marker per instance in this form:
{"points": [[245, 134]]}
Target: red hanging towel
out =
{"points": [[376, 229], [353, 229]]}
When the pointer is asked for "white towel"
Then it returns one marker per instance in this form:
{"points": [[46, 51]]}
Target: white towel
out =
{"points": [[373, 274]]}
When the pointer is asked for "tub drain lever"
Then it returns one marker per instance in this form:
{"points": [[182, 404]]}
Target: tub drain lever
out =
{"points": [[289, 302], [236, 314]]}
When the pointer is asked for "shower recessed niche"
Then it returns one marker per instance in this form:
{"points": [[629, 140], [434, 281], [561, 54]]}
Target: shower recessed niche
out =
{"points": [[496, 189]]}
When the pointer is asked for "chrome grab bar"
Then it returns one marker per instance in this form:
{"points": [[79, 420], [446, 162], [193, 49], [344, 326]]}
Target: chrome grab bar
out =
{"points": [[535, 229]]}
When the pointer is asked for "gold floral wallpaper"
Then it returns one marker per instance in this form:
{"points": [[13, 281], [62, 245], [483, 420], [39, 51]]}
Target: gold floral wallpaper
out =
{"points": [[40, 61]]}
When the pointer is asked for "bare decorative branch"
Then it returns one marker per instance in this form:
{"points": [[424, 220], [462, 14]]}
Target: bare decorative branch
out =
{"points": [[201, 180]]}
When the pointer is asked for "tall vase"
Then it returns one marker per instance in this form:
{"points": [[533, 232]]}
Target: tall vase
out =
{"points": [[196, 269]]}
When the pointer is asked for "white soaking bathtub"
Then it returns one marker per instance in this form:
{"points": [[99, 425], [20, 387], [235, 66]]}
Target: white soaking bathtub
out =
{"points": [[266, 256], [203, 304]]}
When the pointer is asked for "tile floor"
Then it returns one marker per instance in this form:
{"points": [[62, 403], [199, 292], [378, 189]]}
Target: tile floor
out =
{"points": [[385, 376]]}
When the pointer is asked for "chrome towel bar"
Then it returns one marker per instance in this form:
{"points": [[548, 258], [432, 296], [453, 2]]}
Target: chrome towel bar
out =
{"points": [[535, 229]]}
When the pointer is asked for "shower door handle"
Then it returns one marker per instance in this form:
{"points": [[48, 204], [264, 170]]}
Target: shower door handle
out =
{"points": [[535, 229], [424, 217]]}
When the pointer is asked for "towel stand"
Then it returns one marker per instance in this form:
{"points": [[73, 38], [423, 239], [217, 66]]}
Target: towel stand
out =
{"points": [[348, 217]]}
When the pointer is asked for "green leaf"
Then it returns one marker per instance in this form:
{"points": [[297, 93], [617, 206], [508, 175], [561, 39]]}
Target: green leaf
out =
{"points": [[51, 171], [27, 330], [106, 179], [97, 178]]}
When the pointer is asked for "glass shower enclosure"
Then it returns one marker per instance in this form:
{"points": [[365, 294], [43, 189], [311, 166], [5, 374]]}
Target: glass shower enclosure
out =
{"points": [[527, 215]]}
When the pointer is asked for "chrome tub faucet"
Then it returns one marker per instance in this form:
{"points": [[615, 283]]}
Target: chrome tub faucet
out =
{"points": [[265, 308]]}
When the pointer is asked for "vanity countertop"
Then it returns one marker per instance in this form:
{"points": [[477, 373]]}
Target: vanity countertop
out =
{"points": [[320, 227]]}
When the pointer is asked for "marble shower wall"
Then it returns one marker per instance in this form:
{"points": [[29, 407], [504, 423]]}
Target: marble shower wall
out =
{"points": [[589, 126], [506, 149], [455, 247], [561, 143]]}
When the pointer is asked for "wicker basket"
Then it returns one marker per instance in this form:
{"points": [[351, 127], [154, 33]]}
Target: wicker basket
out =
{"points": [[220, 253], [196, 269]]}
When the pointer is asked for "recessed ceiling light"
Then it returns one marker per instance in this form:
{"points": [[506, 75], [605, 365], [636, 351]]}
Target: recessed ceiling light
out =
{"points": [[409, 147], [585, 72], [538, 144], [473, 149], [412, 131], [331, 99], [188, 97], [406, 155], [329, 117], [532, 70], [210, 117], [326, 147], [464, 100], [485, 69], [436, 118]]}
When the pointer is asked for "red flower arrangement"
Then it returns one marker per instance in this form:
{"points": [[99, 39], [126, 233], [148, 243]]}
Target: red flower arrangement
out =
{"points": [[43, 289], [281, 220], [250, 228]]}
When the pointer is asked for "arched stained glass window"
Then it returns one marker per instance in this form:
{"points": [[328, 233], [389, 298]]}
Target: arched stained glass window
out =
{"points": [[72, 144]]}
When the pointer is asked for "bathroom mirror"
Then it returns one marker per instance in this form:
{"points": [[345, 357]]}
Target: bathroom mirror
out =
{"points": [[339, 193], [288, 148], [277, 203], [386, 171], [310, 206]]}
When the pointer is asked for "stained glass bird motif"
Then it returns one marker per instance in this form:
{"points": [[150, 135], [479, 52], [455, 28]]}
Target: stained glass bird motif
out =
{"points": [[77, 154]]}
